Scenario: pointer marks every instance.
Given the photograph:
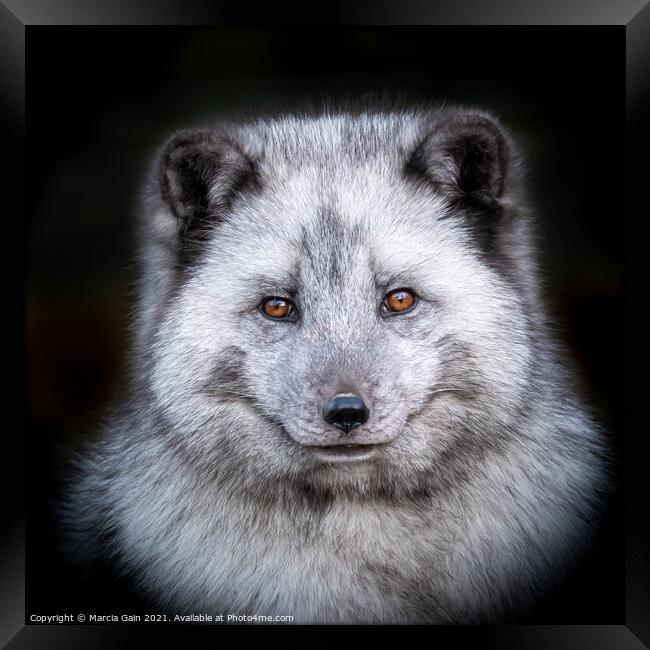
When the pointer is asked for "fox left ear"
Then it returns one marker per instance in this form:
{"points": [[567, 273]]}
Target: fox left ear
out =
{"points": [[202, 172], [467, 157]]}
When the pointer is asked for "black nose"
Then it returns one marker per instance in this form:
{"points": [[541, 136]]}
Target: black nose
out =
{"points": [[345, 411]]}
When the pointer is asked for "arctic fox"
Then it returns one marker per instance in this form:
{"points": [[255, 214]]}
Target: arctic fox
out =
{"points": [[346, 404]]}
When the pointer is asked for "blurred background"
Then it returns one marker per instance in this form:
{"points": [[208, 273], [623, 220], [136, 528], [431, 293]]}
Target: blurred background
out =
{"points": [[100, 100]]}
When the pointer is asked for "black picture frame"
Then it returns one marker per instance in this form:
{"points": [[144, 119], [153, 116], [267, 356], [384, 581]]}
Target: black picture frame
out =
{"points": [[16, 18]]}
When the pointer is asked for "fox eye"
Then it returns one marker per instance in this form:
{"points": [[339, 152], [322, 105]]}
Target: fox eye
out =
{"points": [[278, 308], [399, 301]]}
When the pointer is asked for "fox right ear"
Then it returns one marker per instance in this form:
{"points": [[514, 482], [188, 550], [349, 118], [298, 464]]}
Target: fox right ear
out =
{"points": [[201, 173], [467, 157]]}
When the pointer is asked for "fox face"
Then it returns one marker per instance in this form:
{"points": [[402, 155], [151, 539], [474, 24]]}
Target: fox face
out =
{"points": [[344, 305]]}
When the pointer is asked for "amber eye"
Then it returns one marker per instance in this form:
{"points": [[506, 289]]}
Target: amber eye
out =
{"points": [[277, 308], [399, 301]]}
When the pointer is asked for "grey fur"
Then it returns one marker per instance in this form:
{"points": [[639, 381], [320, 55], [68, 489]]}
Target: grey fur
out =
{"points": [[203, 489]]}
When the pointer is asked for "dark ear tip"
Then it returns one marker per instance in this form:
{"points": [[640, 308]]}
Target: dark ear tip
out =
{"points": [[483, 127], [182, 141], [470, 117]]}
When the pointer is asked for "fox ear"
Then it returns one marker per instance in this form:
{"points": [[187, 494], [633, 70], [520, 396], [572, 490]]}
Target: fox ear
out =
{"points": [[201, 173], [467, 157]]}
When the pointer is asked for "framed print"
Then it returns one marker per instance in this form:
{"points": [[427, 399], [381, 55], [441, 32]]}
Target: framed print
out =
{"points": [[328, 325]]}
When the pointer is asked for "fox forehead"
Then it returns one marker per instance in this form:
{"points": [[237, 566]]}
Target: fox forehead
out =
{"points": [[303, 217]]}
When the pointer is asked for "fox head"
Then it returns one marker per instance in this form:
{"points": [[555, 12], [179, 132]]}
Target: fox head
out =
{"points": [[345, 301]]}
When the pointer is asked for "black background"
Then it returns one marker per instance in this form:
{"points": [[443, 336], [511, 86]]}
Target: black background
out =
{"points": [[99, 100]]}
